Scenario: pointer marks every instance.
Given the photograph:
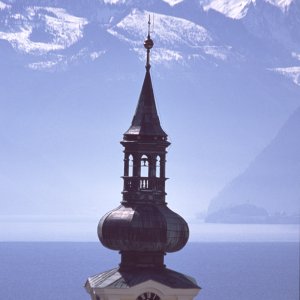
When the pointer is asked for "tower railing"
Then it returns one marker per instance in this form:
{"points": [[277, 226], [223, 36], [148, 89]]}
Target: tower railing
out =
{"points": [[143, 183]]}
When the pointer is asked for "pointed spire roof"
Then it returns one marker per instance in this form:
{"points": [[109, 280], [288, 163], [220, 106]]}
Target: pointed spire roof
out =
{"points": [[145, 121]]}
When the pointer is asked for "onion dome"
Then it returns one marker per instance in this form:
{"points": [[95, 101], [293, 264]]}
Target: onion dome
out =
{"points": [[145, 227], [143, 234]]}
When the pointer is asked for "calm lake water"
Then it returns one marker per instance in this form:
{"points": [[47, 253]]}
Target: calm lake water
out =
{"points": [[225, 271]]}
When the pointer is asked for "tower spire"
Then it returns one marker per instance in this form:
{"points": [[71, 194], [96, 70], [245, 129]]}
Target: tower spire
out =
{"points": [[148, 44], [143, 228], [145, 122]]}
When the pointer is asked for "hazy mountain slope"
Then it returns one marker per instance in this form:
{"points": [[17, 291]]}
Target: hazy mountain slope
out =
{"points": [[269, 187]]}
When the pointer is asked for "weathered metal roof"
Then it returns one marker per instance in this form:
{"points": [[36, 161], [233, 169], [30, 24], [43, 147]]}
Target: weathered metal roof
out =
{"points": [[145, 227], [116, 278], [146, 121]]}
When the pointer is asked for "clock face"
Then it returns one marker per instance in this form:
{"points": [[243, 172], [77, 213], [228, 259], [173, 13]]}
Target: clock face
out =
{"points": [[148, 296]]}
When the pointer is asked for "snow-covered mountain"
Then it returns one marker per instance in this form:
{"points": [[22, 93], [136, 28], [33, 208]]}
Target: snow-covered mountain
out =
{"points": [[269, 190], [178, 39], [53, 33], [238, 9]]}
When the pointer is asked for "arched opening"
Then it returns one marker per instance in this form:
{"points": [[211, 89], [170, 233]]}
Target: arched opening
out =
{"points": [[157, 166], [130, 165], [144, 166]]}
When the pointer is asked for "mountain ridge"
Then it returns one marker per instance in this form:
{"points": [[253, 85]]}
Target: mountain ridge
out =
{"points": [[42, 20]]}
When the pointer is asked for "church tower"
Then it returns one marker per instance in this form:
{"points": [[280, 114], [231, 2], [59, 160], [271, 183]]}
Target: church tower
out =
{"points": [[143, 229]]}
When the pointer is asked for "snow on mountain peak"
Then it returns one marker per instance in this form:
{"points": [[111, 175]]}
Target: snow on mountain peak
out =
{"points": [[171, 32], [161, 55], [282, 4], [4, 6], [167, 29], [237, 9], [63, 61], [60, 31], [290, 72], [172, 2], [114, 1]]}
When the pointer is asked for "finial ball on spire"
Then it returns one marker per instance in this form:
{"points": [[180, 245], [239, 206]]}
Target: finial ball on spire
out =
{"points": [[148, 43]]}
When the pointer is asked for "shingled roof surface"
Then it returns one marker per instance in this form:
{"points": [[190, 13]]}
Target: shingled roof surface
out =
{"points": [[146, 121], [117, 278]]}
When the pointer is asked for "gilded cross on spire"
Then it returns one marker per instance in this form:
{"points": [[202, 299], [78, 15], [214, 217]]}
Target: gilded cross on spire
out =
{"points": [[148, 44]]}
